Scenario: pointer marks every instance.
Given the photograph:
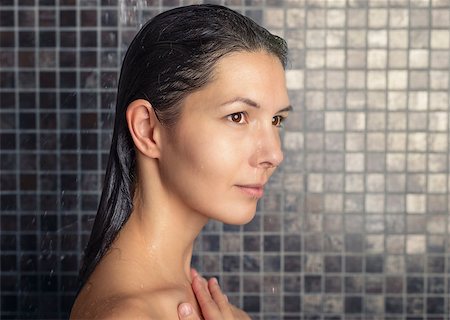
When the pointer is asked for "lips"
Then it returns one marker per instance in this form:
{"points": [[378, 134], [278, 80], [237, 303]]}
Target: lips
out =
{"points": [[252, 190]]}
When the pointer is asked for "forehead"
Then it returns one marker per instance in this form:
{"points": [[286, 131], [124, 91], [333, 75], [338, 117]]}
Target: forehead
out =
{"points": [[258, 76]]}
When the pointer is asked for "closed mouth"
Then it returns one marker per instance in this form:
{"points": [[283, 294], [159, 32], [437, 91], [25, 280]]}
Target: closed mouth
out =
{"points": [[253, 190]]}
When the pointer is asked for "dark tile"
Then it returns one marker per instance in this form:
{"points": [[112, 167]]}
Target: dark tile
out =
{"points": [[109, 59], [312, 284], [8, 262], [9, 283], [47, 79], [393, 304], [333, 284], [252, 283], [29, 263], [8, 202], [89, 202], [292, 263], [27, 121], [48, 202], [8, 303], [88, 18], [28, 242], [333, 263], [8, 141], [27, 142], [8, 182], [353, 304], [49, 223], [8, 99], [68, 39], [394, 284], [252, 243], [415, 264], [47, 18], [49, 283], [292, 243], [67, 18], [27, 39], [272, 243], [272, 263], [67, 79], [47, 161], [211, 243], [108, 100], [69, 242], [28, 202], [7, 79], [230, 263], [8, 242], [28, 222], [47, 100], [26, 18], [435, 305], [230, 283], [374, 264], [292, 303], [415, 284], [292, 283], [252, 303], [89, 161], [109, 18], [7, 39], [69, 284], [88, 38], [109, 39], [252, 263], [436, 264], [47, 39]]}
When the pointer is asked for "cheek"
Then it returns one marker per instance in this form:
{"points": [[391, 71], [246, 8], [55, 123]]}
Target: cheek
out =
{"points": [[213, 159]]}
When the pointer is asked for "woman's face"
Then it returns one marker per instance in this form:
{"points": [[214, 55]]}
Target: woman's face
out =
{"points": [[226, 144]]}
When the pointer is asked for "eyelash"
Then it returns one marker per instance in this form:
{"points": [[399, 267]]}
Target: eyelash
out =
{"points": [[244, 115]]}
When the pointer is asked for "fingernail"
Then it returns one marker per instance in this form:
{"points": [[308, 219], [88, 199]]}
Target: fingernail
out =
{"points": [[185, 309], [214, 280]]}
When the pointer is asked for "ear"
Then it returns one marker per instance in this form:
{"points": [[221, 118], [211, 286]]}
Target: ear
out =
{"points": [[144, 127]]}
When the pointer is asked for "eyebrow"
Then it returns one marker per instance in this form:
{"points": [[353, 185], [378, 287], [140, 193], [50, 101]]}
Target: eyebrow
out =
{"points": [[252, 103]]}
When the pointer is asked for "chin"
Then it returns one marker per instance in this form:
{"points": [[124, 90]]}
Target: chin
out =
{"points": [[239, 218]]}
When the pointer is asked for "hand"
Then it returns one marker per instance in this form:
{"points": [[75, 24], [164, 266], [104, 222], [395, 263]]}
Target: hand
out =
{"points": [[213, 303]]}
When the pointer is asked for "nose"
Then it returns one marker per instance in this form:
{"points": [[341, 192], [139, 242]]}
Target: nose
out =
{"points": [[267, 152]]}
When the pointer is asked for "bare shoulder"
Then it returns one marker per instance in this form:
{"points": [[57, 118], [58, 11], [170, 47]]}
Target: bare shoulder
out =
{"points": [[156, 304]]}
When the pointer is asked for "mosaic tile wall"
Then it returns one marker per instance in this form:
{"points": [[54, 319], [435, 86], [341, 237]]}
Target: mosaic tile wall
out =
{"points": [[355, 224]]}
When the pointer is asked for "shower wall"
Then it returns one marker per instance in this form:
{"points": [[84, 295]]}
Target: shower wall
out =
{"points": [[355, 223]]}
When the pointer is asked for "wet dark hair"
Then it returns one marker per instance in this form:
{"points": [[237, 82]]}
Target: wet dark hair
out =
{"points": [[172, 55]]}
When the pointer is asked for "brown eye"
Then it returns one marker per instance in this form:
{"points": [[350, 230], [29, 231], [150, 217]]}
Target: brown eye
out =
{"points": [[277, 120], [237, 117]]}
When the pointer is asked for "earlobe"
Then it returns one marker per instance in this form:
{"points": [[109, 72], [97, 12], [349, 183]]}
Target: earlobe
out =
{"points": [[144, 127]]}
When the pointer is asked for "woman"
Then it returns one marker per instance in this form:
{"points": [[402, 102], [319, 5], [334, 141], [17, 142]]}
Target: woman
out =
{"points": [[200, 103]]}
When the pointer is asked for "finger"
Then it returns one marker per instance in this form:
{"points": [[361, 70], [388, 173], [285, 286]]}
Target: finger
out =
{"points": [[186, 312], [218, 296], [194, 273], [209, 308]]}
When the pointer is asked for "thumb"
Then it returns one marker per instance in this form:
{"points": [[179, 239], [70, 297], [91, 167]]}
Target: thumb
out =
{"points": [[186, 312]]}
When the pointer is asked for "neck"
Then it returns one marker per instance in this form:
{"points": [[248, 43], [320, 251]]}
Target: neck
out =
{"points": [[159, 238]]}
